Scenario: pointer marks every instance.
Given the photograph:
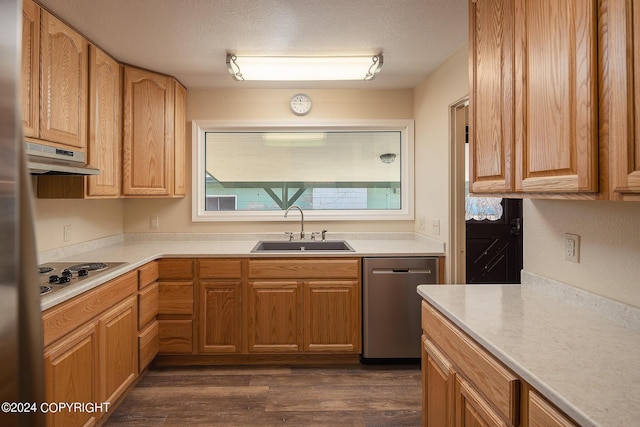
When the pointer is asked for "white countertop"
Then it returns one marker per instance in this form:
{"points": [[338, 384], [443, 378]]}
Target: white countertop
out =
{"points": [[137, 251], [584, 362]]}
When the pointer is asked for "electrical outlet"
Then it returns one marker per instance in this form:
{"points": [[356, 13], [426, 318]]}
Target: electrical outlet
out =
{"points": [[66, 233], [154, 223], [572, 247], [435, 226]]}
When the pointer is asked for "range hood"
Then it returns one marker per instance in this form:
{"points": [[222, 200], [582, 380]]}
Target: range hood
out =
{"points": [[46, 160]]}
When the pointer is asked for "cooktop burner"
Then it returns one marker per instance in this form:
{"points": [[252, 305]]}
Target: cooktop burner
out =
{"points": [[56, 276]]}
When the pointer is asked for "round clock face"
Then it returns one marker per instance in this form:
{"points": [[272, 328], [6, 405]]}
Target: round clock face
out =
{"points": [[300, 104]]}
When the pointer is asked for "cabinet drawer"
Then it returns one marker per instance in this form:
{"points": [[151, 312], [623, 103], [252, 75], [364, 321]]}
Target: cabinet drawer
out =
{"points": [[148, 304], [487, 375], [304, 268], [220, 268], [175, 336], [175, 298], [147, 274], [63, 318], [543, 414], [175, 269], [147, 345]]}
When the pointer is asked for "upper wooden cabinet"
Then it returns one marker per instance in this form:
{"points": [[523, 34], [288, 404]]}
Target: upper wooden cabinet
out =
{"points": [[64, 58], [30, 69], [619, 49], [153, 159], [556, 102], [553, 91], [105, 124], [491, 96], [54, 79]]}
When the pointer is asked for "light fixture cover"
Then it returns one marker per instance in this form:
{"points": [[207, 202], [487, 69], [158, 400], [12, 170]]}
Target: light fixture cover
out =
{"points": [[387, 157], [303, 68]]}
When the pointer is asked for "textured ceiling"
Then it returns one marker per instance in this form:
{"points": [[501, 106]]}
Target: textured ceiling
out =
{"points": [[189, 39]]}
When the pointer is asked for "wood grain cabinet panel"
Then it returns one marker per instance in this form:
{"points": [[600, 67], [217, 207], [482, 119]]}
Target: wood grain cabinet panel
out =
{"points": [[72, 375], [118, 329], [147, 345], [179, 151], [148, 304], [438, 385], [543, 414], [30, 69], [534, 98], [487, 374], [491, 102], [175, 336], [275, 316], [105, 124], [620, 108], [148, 133], [64, 82], [556, 96], [148, 274], [175, 269], [221, 316], [332, 320]]}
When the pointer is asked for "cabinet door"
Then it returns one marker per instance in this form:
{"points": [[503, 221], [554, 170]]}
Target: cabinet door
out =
{"points": [[118, 349], [275, 316], [30, 68], [621, 49], [472, 410], [220, 316], [105, 121], [71, 375], [148, 133], [180, 124], [556, 103], [438, 387], [491, 96], [64, 56], [332, 316]]}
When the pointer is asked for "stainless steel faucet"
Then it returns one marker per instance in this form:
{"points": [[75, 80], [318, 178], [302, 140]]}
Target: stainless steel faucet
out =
{"points": [[301, 219]]}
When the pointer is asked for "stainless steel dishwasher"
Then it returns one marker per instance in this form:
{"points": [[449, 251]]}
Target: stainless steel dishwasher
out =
{"points": [[391, 305]]}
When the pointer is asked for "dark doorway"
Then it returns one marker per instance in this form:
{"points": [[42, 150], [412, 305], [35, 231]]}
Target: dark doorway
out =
{"points": [[494, 247]]}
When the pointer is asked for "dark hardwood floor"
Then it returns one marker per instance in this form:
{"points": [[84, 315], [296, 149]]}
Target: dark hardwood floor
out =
{"points": [[364, 395]]}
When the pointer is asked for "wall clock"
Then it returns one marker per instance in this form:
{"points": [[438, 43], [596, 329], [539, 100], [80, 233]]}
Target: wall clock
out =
{"points": [[300, 104]]}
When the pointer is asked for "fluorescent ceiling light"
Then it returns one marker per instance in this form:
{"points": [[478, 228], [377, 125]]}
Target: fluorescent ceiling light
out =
{"points": [[304, 68]]}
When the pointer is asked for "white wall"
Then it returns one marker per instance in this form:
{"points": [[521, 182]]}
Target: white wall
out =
{"points": [[448, 84], [609, 245], [89, 220]]}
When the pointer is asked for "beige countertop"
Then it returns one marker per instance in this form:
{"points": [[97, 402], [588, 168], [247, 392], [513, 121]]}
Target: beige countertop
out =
{"points": [[137, 250], [583, 360]]}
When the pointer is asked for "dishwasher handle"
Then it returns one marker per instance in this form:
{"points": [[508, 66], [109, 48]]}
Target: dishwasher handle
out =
{"points": [[401, 271]]}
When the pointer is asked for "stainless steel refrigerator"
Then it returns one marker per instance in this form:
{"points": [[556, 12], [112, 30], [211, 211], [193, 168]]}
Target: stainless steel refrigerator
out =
{"points": [[21, 359]]}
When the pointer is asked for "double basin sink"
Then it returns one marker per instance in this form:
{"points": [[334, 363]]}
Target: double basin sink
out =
{"points": [[302, 246]]}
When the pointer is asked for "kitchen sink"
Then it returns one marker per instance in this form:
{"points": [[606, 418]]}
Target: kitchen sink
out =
{"points": [[302, 245]]}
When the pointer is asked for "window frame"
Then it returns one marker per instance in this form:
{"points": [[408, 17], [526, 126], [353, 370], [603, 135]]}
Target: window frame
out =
{"points": [[406, 128]]}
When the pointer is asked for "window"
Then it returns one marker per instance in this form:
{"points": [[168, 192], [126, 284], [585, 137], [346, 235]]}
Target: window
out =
{"points": [[332, 170]]}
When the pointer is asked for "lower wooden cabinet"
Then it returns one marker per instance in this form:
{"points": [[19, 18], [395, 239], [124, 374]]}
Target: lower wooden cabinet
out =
{"points": [[332, 316], [176, 306], [275, 316], [464, 385], [71, 372], [221, 316], [118, 331]]}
